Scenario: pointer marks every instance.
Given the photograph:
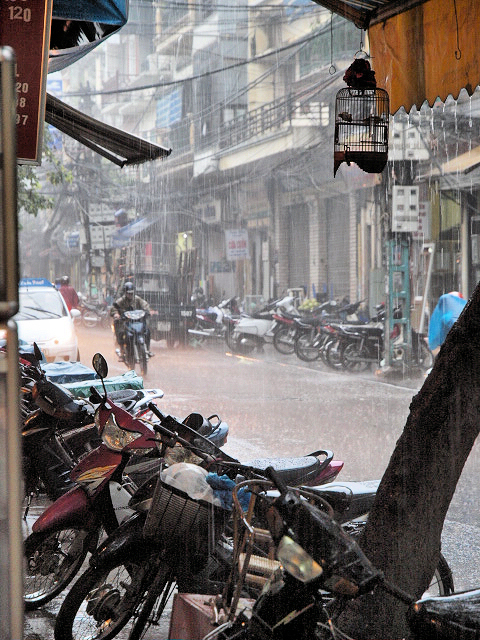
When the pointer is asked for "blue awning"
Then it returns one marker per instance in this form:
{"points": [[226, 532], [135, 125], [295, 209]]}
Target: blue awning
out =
{"points": [[104, 11], [78, 27], [124, 235]]}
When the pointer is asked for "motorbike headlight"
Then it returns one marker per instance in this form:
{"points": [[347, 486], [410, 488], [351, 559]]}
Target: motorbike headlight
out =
{"points": [[115, 437], [296, 561]]}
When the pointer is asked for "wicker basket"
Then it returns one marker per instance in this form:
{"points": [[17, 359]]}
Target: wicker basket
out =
{"points": [[176, 517]]}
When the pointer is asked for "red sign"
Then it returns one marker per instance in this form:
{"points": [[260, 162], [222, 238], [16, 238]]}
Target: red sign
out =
{"points": [[25, 26]]}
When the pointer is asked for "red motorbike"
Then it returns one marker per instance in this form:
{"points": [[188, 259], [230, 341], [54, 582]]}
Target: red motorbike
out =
{"points": [[71, 526]]}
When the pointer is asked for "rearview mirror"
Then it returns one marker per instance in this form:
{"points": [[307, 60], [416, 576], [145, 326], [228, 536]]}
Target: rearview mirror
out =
{"points": [[100, 365], [37, 353]]}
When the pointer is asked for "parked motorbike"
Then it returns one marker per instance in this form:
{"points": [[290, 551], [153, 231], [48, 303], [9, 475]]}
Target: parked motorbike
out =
{"points": [[102, 484], [94, 313], [361, 346], [319, 568], [169, 543], [213, 322], [314, 335], [134, 333], [58, 429], [254, 331]]}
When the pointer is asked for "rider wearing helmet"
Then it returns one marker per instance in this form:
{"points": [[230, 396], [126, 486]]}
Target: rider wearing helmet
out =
{"points": [[68, 293], [129, 302]]}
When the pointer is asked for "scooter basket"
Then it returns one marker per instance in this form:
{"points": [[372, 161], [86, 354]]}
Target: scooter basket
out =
{"points": [[177, 518]]}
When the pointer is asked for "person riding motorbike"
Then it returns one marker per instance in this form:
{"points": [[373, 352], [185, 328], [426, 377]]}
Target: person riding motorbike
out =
{"points": [[129, 302], [68, 293]]}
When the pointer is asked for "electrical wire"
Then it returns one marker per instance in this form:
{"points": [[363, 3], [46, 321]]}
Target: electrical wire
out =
{"points": [[242, 63]]}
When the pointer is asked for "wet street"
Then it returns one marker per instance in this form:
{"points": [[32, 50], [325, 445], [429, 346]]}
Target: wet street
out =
{"points": [[279, 406]]}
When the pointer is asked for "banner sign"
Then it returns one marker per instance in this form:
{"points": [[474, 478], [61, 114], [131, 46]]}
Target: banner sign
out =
{"points": [[237, 244], [25, 26]]}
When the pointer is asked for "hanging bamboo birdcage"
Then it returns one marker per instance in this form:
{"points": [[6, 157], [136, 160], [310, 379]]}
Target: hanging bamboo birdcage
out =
{"points": [[361, 128]]}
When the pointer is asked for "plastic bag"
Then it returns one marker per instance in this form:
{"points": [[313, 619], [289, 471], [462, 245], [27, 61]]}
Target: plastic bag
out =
{"points": [[190, 479]]}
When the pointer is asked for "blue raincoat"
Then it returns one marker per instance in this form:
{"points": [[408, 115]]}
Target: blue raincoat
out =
{"points": [[449, 307]]}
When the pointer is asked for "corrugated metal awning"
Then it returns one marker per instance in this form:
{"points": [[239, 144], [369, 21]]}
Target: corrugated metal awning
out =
{"points": [[117, 146], [365, 13]]}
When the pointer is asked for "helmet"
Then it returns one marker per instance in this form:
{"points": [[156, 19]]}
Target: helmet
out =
{"points": [[201, 425], [65, 280], [129, 289]]}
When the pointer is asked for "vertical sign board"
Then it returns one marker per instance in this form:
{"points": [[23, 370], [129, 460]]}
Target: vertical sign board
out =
{"points": [[25, 26], [11, 556], [236, 241]]}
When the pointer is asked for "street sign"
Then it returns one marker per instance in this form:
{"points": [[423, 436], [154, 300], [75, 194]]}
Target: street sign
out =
{"points": [[25, 26]]}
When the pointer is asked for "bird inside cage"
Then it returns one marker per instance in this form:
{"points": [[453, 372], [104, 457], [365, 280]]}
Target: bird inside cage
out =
{"points": [[361, 120]]}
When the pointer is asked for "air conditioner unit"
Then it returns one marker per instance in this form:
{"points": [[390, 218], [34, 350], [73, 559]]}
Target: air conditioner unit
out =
{"points": [[405, 208]]}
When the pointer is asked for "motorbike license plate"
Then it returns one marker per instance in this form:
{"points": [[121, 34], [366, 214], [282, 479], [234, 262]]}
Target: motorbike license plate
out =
{"points": [[163, 326]]}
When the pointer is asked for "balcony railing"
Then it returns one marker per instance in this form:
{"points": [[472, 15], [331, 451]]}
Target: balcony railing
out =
{"points": [[256, 122], [273, 116]]}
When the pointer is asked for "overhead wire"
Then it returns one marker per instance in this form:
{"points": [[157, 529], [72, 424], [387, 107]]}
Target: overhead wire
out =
{"points": [[204, 74]]}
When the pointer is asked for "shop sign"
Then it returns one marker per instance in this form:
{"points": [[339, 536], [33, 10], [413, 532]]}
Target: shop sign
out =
{"points": [[237, 244]]}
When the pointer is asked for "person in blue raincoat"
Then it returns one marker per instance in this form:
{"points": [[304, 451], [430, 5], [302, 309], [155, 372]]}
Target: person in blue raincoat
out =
{"points": [[449, 307]]}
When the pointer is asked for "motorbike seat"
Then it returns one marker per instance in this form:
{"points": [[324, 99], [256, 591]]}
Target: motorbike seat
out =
{"points": [[313, 322], [262, 315], [368, 330], [349, 500], [447, 617], [122, 396], [291, 470], [289, 315]]}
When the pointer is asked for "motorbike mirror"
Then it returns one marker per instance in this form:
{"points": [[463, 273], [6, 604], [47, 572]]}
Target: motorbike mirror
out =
{"points": [[100, 365], [37, 353]]}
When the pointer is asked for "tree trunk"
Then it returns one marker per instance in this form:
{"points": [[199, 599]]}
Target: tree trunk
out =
{"points": [[403, 534]]}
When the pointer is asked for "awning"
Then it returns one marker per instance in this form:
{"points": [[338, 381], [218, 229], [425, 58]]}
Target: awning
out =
{"points": [[78, 27], [420, 50], [106, 11], [118, 146], [365, 13], [123, 236], [464, 163], [463, 172]]}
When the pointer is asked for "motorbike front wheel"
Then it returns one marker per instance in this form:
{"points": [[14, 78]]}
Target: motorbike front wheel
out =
{"points": [[442, 582], [159, 592], [236, 346], [283, 340], [142, 357], [51, 561], [102, 601], [332, 354], [90, 319], [306, 348], [353, 358], [424, 357], [129, 353]]}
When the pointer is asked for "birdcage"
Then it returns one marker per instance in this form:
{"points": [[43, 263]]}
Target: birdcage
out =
{"points": [[361, 128]]}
